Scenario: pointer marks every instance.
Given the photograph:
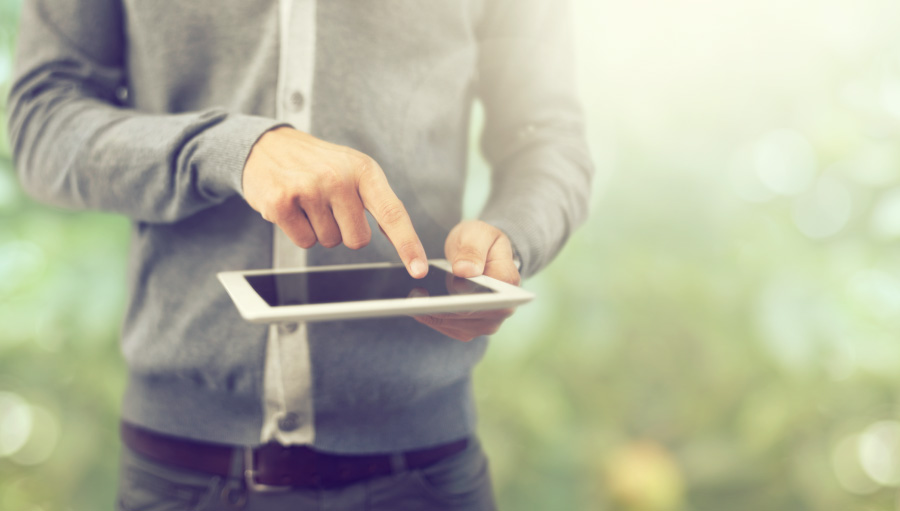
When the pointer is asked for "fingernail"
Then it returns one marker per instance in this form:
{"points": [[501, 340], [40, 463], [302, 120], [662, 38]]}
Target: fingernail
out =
{"points": [[418, 268]]}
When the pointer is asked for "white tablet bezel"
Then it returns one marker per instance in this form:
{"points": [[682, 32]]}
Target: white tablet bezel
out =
{"points": [[255, 309]]}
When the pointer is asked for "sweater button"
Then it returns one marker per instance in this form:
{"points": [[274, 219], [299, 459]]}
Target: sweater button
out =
{"points": [[288, 328], [296, 101], [289, 422]]}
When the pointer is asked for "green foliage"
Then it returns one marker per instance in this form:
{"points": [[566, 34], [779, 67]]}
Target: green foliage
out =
{"points": [[720, 335]]}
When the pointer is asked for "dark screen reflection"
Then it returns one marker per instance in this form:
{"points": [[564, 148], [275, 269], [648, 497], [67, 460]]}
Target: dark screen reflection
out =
{"points": [[303, 288]]}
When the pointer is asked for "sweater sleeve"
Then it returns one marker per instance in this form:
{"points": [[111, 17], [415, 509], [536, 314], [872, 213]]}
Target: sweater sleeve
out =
{"points": [[534, 135], [75, 143]]}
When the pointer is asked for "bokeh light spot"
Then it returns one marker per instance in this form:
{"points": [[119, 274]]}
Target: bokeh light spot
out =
{"points": [[885, 220], [5, 64], [847, 468], [824, 210], [644, 475], [874, 165], [890, 87], [785, 162], [15, 423], [42, 440], [879, 452], [784, 310], [877, 291], [745, 180]]}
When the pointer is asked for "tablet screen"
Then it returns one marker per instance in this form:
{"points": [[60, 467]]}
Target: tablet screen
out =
{"points": [[302, 288]]}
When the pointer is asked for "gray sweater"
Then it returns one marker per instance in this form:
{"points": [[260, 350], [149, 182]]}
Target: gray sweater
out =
{"points": [[149, 109]]}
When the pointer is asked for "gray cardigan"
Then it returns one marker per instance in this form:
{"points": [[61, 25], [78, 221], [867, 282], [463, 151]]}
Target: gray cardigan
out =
{"points": [[149, 109]]}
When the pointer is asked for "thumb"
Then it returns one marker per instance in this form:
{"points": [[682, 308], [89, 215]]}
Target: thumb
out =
{"points": [[467, 247]]}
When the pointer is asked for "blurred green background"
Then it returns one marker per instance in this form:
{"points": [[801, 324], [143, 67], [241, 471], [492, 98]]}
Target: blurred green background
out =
{"points": [[721, 335]]}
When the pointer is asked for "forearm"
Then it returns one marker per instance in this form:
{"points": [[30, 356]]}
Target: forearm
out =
{"points": [[538, 199], [85, 154], [534, 135], [76, 146]]}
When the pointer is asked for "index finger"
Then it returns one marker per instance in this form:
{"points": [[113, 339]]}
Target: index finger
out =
{"points": [[391, 215]]}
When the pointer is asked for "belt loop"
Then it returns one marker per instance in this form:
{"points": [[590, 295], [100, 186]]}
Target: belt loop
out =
{"points": [[234, 491], [398, 463]]}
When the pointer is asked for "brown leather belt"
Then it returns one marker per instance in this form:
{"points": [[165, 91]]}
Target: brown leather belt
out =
{"points": [[274, 466]]}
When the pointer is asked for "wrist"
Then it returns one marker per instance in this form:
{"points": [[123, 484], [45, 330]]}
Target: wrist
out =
{"points": [[254, 150]]}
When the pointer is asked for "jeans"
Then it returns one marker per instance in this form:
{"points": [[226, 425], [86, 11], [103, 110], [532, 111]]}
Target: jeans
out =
{"points": [[460, 482]]}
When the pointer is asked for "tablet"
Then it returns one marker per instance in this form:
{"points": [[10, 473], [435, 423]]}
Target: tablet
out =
{"points": [[321, 293]]}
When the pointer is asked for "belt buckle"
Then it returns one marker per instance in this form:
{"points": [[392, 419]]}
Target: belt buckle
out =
{"points": [[250, 476]]}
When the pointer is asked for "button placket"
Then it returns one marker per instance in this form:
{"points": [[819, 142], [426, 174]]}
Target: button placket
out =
{"points": [[288, 385]]}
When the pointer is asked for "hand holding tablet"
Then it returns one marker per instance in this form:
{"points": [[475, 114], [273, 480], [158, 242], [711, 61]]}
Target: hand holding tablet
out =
{"points": [[476, 248]]}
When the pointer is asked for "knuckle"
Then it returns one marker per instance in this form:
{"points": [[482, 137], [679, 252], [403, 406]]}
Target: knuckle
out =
{"points": [[281, 204], [344, 192], [356, 243], [278, 214], [364, 164], [302, 186], [392, 212], [470, 250], [311, 198], [360, 235], [330, 180], [408, 247], [329, 238], [305, 240]]}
